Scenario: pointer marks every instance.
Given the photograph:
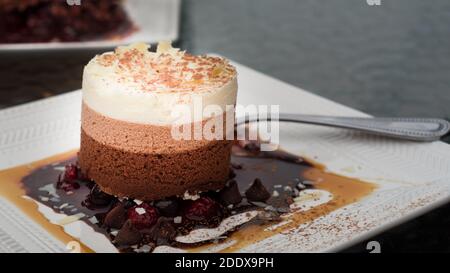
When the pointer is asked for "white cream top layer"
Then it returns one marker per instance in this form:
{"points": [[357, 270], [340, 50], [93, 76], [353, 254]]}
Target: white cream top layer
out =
{"points": [[135, 85]]}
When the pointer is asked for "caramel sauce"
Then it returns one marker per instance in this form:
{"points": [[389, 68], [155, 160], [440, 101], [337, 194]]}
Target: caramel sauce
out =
{"points": [[12, 189], [344, 190], [274, 170]]}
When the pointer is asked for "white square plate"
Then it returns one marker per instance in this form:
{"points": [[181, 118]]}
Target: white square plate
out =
{"points": [[156, 20], [412, 177]]}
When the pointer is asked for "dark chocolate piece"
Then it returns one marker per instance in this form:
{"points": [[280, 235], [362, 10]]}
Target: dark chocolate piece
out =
{"points": [[99, 198], [230, 195], [257, 192], [163, 232], [167, 207], [116, 217], [128, 235]]}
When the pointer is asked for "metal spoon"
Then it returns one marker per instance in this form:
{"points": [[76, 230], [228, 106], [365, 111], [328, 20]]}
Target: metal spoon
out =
{"points": [[417, 129]]}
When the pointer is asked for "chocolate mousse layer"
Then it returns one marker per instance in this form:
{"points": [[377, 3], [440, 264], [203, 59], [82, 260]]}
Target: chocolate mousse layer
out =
{"points": [[144, 161], [153, 123]]}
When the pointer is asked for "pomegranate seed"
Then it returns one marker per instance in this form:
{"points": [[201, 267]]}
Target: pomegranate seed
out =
{"points": [[143, 215]]}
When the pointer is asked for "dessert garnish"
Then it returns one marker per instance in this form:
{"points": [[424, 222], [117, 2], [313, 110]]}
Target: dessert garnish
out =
{"points": [[257, 192], [250, 197]]}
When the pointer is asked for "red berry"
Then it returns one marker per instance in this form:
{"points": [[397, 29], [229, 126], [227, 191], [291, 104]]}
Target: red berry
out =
{"points": [[143, 215], [66, 185], [71, 172], [201, 209]]}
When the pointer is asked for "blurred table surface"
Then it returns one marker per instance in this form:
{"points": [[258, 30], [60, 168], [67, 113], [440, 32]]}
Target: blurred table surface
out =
{"points": [[388, 60]]}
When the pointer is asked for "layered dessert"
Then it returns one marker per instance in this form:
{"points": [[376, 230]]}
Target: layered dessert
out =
{"points": [[136, 187], [128, 146], [32, 21]]}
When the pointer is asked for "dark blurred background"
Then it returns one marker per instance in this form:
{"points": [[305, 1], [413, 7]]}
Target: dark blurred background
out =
{"points": [[387, 60]]}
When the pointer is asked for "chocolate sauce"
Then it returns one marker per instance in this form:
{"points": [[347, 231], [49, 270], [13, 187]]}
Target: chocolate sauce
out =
{"points": [[281, 174]]}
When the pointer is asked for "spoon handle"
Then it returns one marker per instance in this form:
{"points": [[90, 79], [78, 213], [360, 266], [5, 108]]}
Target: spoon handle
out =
{"points": [[417, 129]]}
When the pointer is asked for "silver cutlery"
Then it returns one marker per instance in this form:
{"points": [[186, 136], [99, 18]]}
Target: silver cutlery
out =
{"points": [[416, 129]]}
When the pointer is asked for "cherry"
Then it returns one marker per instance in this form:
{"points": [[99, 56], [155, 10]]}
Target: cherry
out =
{"points": [[201, 209], [70, 172], [66, 182], [143, 216]]}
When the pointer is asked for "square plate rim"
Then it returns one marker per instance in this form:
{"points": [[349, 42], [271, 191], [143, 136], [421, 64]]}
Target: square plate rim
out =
{"points": [[354, 240]]}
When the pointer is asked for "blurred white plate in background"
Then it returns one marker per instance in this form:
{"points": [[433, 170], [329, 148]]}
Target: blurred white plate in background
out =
{"points": [[155, 20]]}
